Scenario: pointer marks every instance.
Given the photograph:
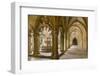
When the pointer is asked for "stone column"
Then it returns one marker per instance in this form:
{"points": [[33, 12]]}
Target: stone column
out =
{"points": [[68, 40], [65, 41], [36, 44], [62, 41], [29, 44], [55, 45]]}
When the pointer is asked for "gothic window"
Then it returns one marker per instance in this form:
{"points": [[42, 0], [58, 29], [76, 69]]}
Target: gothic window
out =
{"points": [[45, 39]]}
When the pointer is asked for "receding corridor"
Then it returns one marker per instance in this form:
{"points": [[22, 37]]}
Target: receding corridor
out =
{"points": [[57, 37]]}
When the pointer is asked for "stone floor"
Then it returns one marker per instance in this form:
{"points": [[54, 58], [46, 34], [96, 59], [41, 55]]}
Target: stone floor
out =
{"points": [[72, 53], [45, 54]]}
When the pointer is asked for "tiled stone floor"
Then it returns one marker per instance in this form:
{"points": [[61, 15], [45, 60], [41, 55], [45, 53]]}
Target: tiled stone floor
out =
{"points": [[72, 53]]}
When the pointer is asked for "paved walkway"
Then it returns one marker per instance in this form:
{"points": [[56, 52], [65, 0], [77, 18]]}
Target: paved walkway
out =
{"points": [[74, 53]]}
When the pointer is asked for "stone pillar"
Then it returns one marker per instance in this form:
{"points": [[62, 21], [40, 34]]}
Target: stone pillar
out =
{"points": [[62, 41], [65, 41], [68, 40], [36, 44], [29, 44], [55, 45]]}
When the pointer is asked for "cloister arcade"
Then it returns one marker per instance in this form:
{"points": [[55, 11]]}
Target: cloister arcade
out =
{"points": [[57, 37]]}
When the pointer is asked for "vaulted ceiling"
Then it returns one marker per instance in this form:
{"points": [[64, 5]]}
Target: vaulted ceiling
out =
{"points": [[55, 21]]}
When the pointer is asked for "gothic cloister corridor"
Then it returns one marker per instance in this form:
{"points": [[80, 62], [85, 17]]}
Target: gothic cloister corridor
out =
{"points": [[57, 37]]}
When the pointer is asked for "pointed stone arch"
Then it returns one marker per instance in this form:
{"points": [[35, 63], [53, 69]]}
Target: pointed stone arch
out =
{"points": [[80, 20], [74, 42], [82, 33]]}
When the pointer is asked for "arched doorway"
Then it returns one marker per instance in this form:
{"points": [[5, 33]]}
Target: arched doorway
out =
{"points": [[74, 42]]}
